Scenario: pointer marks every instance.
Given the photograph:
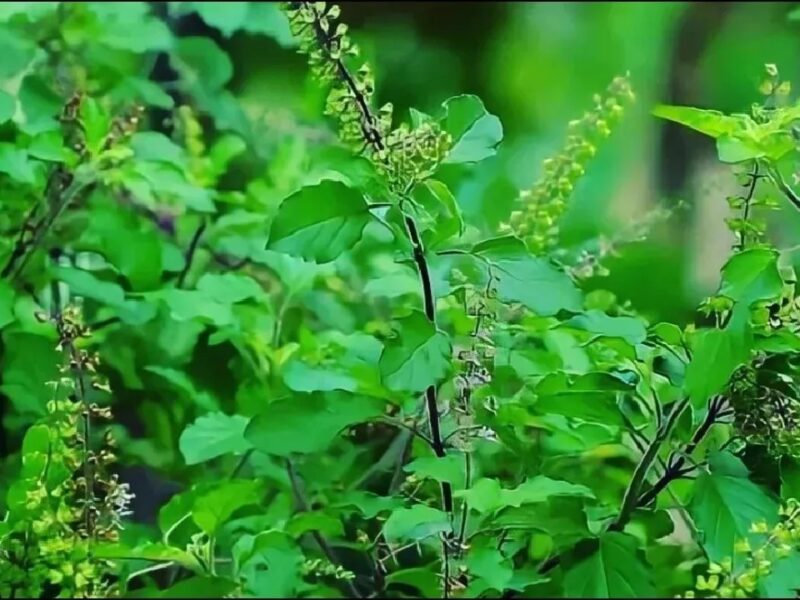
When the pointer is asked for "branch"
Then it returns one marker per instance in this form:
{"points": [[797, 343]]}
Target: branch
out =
{"points": [[190, 252], [373, 138], [411, 428], [242, 462], [324, 545], [676, 465], [638, 479], [718, 408], [754, 177], [776, 178], [437, 443], [59, 198]]}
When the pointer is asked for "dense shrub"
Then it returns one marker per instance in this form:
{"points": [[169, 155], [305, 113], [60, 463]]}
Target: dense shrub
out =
{"points": [[337, 382]]}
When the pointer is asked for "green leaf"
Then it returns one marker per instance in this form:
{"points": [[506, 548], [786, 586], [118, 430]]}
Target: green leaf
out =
{"points": [[594, 321], [608, 567], [14, 162], [415, 523], [163, 181], [269, 564], [228, 17], [49, 145], [301, 377], [591, 397], [487, 496], [564, 520], [790, 477], [230, 288], [489, 563], [304, 522], [725, 503], [200, 587], [85, 284], [28, 362], [152, 145], [142, 90], [224, 150], [39, 104], [8, 106], [716, 354], [149, 551], [781, 581], [274, 431], [96, 123], [319, 222], [17, 50], [131, 246], [425, 579], [735, 150], [437, 199], [6, 304], [213, 435], [448, 468], [178, 510], [368, 504], [268, 19], [532, 281], [475, 132], [669, 333], [709, 122], [752, 275], [213, 508], [36, 441], [202, 63], [133, 28], [417, 357], [189, 305], [35, 451]]}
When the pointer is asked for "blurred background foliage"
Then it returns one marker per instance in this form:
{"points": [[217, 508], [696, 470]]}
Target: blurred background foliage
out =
{"points": [[537, 65]]}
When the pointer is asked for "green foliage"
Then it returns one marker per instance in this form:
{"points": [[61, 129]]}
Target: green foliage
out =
{"points": [[365, 373]]}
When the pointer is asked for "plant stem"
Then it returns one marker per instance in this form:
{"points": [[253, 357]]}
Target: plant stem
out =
{"points": [[190, 252], [676, 463], [242, 462], [324, 545], [373, 138], [630, 500], [776, 178], [431, 403], [59, 199], [754, 177]]}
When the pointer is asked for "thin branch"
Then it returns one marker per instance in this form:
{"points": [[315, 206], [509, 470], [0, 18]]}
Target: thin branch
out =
{"points": [[387, 458], [462, 530], [397, 475], [754, 177], [431, 403], [324, 545], [776, 178], [242, 462], [190, 252], [59, 198], [676, 465], [638, 479], [641, 442], [21, 245], [372, 136], [411, 428]]}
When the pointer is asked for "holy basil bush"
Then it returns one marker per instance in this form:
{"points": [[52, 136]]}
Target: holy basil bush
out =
{"points": [[346, 384]]}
